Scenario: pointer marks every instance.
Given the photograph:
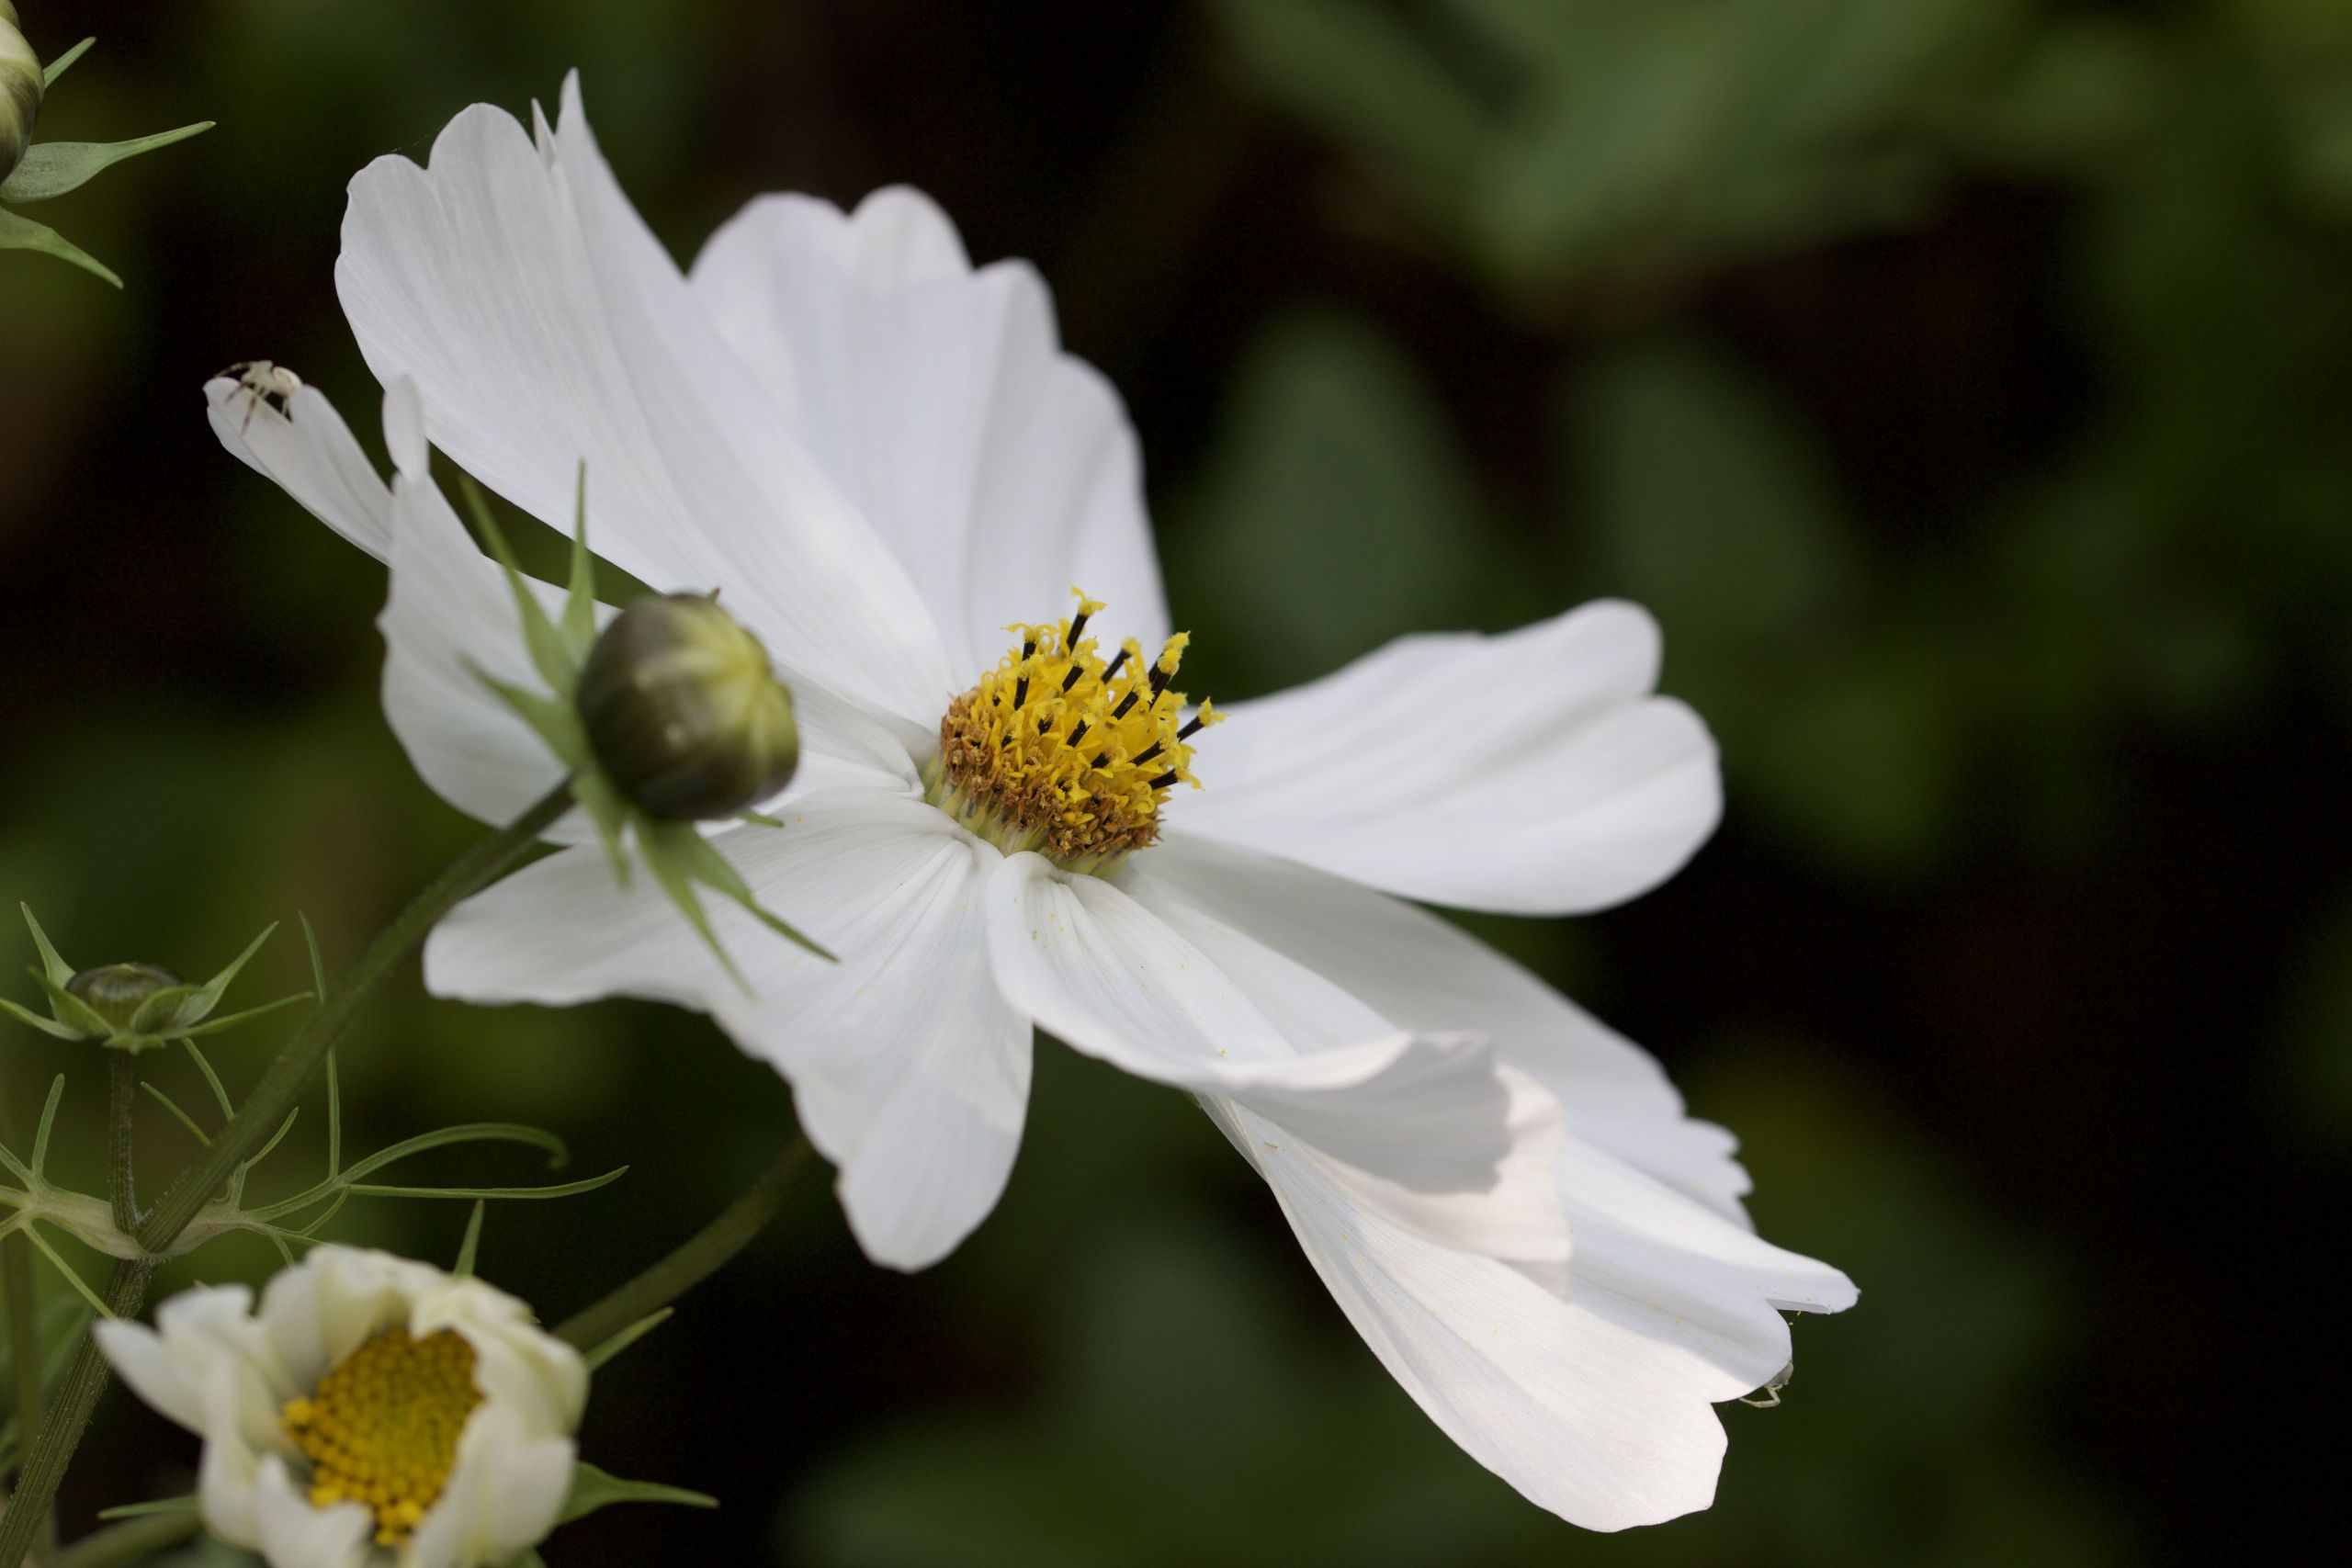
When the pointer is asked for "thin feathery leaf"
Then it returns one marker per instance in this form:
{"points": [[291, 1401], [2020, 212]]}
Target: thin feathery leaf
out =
{"points": [[627, 1338], [81, 1286], [185, 1120], [563, 1190], [211, 1079], [47, 1121]]}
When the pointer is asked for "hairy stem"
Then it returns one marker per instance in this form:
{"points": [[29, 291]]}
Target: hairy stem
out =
{"points": [[703, 1255], [291, 1073], [255, 1119], [69, 1417], [17, 1297], [122, 1102]]}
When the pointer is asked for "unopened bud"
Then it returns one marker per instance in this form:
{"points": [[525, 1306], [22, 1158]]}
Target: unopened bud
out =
{"points": [[20, 90], [116, 991], [684, 712]]}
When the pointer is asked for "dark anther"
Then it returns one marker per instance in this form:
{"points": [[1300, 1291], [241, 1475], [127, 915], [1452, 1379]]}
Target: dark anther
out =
{"points": [[1125, 704], [1160, 678], [1164, 780], [1112, 668], [1077, 630], [1146, 754], [1191, 729], [1072, 679], [1078, 734], [1021, 691]]}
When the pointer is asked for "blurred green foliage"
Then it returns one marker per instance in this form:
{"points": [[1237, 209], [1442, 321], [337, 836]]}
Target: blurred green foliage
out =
{"points": [[1962, 383]]}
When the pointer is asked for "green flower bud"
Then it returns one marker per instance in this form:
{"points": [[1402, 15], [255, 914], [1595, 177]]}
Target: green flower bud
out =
{"points": [[116, 991], [683, 712], [20, 91]]}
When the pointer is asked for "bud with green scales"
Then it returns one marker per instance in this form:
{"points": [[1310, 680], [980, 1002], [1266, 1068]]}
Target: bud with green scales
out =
{"points": [[684, 712], [22, 83], [31, 173], [132, 1006], [670, 715]]}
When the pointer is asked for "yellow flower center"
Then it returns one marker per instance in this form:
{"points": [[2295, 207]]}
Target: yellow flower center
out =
{"points": [[383, 1426], [1058, 751]]}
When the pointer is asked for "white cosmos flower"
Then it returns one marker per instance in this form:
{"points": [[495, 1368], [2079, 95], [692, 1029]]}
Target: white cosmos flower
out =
{"points": [[880, 456], [374, 1412]]}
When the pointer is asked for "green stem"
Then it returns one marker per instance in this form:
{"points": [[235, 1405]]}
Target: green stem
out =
{"points": [[266, 1106], [703, 1255], [24, 1335], [122, 1104], [69, 1416]]}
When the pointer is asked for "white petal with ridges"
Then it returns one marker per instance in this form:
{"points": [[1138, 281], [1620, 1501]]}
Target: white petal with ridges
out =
{"points": [[1531, 773], [1417, 970], [310, 453], [1596, 1406], [910, 1073], [1001, 469], [544, 326]]}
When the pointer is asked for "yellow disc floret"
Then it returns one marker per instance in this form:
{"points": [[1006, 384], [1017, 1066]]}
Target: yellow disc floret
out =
{"points": [[381, 1428], [1058, 751]]}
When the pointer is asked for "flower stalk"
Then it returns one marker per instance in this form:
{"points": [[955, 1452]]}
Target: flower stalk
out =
{"points": [[701, 1256], [52, 1449], [122, 1102]]}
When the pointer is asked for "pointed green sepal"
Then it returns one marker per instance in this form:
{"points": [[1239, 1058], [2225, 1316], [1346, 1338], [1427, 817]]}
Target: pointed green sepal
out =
{"points": [[59, 970], [551, 656], [609, 813], [470, 1248], [21, 233], [231, 1020], [714, 870], [52, 168], [65, 62], [72, 1010], [579, 593], [593, 1489], [208, 995], [48, 1026]]}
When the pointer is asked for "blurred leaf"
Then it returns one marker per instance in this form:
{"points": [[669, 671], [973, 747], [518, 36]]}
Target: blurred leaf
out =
{"points": [[52, 168], [1336, 513]]}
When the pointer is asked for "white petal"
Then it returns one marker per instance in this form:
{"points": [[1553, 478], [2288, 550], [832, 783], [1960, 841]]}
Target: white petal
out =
{"points": [[1531, 773], [544, 326], [999, 469], [1418, 971], [293, 1534], [518, 1366], [1572, 1402], [312, 455], [449, 621], [506, 1492], [910, 1072]]}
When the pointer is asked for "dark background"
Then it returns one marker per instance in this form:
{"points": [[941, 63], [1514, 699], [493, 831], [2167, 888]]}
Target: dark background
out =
{"points": [[1964, 385]]}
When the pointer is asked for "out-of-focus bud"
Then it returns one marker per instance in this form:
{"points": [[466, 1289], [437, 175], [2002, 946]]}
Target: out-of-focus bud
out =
{"points": [[20, 91], [116, 991], [684, 712]]}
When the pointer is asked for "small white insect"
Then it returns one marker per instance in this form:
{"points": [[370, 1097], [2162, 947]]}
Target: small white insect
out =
{"points": [[1769, 1396], [262, 382]]}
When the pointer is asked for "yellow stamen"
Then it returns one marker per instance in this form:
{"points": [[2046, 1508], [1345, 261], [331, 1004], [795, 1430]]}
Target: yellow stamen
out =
{"points": [[1058, 751], [383, 1426]]}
